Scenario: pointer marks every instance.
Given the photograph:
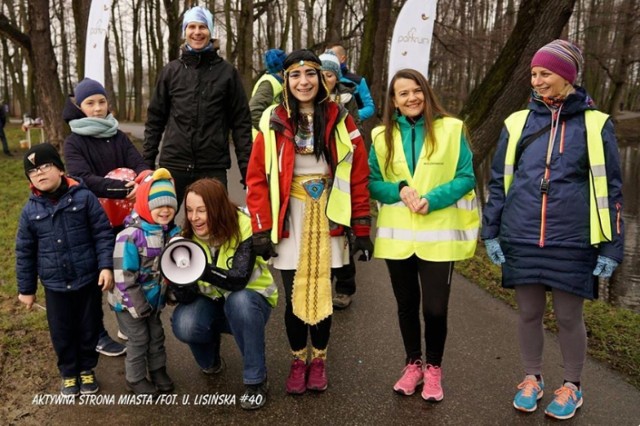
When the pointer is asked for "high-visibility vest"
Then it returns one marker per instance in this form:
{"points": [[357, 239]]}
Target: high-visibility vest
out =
{"points": [[260, 281], [600, 219], [276, 87], [339, 202], [444, 235]]}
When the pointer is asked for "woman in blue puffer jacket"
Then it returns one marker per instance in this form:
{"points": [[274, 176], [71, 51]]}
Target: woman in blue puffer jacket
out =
{"points": [[553, 218]]}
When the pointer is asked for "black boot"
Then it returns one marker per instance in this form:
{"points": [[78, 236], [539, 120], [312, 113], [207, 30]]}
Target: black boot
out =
{"points": [[142, 387], [161, 379]]}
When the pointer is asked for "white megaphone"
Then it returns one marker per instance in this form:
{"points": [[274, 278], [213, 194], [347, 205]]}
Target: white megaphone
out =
{"points": [[183, 261]]}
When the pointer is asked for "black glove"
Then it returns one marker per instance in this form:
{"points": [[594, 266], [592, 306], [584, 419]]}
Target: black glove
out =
{"points": [[262, 245], [364, 245]]}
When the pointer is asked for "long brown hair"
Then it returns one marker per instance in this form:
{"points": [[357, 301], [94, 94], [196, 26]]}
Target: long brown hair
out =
{"points": [[432, 110], [222, 213]]}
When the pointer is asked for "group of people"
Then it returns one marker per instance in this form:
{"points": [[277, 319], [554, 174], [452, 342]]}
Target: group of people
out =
{"points": [[309, 182]]}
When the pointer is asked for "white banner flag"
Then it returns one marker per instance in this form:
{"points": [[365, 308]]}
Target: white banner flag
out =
{"points": [[411, 42], [96, 34]]}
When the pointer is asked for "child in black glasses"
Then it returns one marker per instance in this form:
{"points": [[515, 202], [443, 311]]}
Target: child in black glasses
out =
{"points": [[65, 240]]}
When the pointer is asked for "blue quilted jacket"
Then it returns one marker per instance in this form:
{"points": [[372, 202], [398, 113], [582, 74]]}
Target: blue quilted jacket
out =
{"points": [[65, 244], [517, 218]]}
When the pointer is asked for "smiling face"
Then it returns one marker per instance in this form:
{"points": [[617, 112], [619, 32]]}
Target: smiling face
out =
{"points": [[408, 97], [95, 106], [163, 215], [197, 35], [197, 215], [547, 83], [46, 178], [303, 84], [331, 80]]}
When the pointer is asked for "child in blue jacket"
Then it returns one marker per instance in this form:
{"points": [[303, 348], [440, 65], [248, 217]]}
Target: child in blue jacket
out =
{"points": [[64, 238], [139, 293]]}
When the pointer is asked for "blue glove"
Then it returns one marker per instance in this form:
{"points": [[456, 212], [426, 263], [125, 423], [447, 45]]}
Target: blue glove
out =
{"points": [[494, 251], [604, 267]]}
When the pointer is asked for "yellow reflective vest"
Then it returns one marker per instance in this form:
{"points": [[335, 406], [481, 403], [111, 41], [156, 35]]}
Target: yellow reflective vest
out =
{"points": [[444, 235], [600, 219], [276, 86], [339, 202], [261, 280]]}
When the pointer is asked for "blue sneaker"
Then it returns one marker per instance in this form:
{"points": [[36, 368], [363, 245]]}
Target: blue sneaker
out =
{"points": [[107, 346], [567, 400], [531, 390]]}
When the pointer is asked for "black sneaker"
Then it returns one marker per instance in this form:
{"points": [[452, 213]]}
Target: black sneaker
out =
{"points": [[142, 387], [255, 396], [70, 386], [107, 346], [88, 382], [216, 368], [161, 380]]}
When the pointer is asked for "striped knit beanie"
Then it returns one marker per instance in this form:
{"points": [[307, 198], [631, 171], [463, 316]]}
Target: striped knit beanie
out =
{"points": [[561, 57], [155, 190], [330, 62]]}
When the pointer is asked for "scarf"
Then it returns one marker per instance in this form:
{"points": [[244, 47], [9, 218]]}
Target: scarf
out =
{"points": [[96, 127], [553, 102]]}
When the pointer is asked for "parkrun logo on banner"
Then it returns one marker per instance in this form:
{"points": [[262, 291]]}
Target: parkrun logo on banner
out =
{"points": [[410, 37]]}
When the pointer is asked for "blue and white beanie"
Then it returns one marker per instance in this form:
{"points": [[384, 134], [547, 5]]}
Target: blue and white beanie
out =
{"points": [[197, 14], [330, 62]]}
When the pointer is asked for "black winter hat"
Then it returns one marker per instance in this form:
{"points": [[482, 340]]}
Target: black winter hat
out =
{"points": [[42, 154]]}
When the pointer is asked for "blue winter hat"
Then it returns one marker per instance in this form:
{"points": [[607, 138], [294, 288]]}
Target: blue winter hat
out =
{"points": [[197, 14], [86, 88], [274, 60]]}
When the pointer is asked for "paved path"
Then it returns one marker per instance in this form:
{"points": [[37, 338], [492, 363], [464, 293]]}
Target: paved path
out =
{"points": [[481, 369]]}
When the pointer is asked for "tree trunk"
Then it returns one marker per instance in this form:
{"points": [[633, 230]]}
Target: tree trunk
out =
{"points": [[620, 70], [506, 86], [335, 14], [137, 62], [43, 64], [81, 10], [175, 27], [245, 44], [116, 28]]}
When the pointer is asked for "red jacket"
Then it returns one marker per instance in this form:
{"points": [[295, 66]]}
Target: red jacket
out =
{"points": [[258, 186]]}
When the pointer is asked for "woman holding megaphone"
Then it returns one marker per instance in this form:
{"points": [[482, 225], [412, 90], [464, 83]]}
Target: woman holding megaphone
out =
{"points": [[235, 293]]}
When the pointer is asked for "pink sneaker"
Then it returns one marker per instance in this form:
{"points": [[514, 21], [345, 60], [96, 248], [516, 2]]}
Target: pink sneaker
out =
{"points": [[317, 375], [432, 389], [296, 382], [411, 377]]}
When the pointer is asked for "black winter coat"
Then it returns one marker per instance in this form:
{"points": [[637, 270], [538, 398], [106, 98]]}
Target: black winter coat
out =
{"points": [[199, 99]]}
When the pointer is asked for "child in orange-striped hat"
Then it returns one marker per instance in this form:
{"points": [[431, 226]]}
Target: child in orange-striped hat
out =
{"points": [[139, 294]]}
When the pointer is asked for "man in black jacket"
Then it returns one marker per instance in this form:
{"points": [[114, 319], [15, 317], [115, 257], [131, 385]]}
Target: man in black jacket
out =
{"points": [[198, 101]]}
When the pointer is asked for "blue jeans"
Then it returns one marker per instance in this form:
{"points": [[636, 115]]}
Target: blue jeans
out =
{"points": [[243, 313]]}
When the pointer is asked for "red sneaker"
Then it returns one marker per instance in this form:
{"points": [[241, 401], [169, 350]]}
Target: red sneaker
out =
{"points": [[296, 382], [317, 376]]}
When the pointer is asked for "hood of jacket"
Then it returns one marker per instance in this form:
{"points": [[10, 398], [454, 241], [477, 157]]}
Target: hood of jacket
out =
{"points": [[193, 59]]}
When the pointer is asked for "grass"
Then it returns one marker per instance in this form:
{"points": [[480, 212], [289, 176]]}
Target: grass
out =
{"points": [[614, 333]]}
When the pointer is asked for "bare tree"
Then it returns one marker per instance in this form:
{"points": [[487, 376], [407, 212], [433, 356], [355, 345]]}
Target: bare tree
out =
{"points": [[505, 87], [44, 65]]}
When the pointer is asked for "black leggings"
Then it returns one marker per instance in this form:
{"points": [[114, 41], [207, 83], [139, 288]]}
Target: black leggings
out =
{"points": [[296, 328], [408, 277]]}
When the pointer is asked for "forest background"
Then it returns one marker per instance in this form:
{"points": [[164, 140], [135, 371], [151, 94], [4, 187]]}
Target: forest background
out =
{"points": [[479, 58]]}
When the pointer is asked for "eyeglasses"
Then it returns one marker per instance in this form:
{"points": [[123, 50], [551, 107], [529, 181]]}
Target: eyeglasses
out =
{"points": [[42, 168]]}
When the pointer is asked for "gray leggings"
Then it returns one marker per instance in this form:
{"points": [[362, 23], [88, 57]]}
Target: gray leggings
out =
{"points": [[572, 332]]}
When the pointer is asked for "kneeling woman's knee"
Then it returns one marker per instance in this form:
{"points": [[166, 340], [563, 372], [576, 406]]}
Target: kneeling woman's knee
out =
{"points": [[194, 322]]}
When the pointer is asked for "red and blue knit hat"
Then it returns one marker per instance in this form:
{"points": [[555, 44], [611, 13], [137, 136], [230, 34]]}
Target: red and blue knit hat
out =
{"points": [[155, 190], [561, 57]]}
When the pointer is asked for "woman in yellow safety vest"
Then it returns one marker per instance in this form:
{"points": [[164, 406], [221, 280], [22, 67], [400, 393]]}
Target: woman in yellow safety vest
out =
{"points": [[553, 217], [307, 182], [422, 175], [235, 294]]}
